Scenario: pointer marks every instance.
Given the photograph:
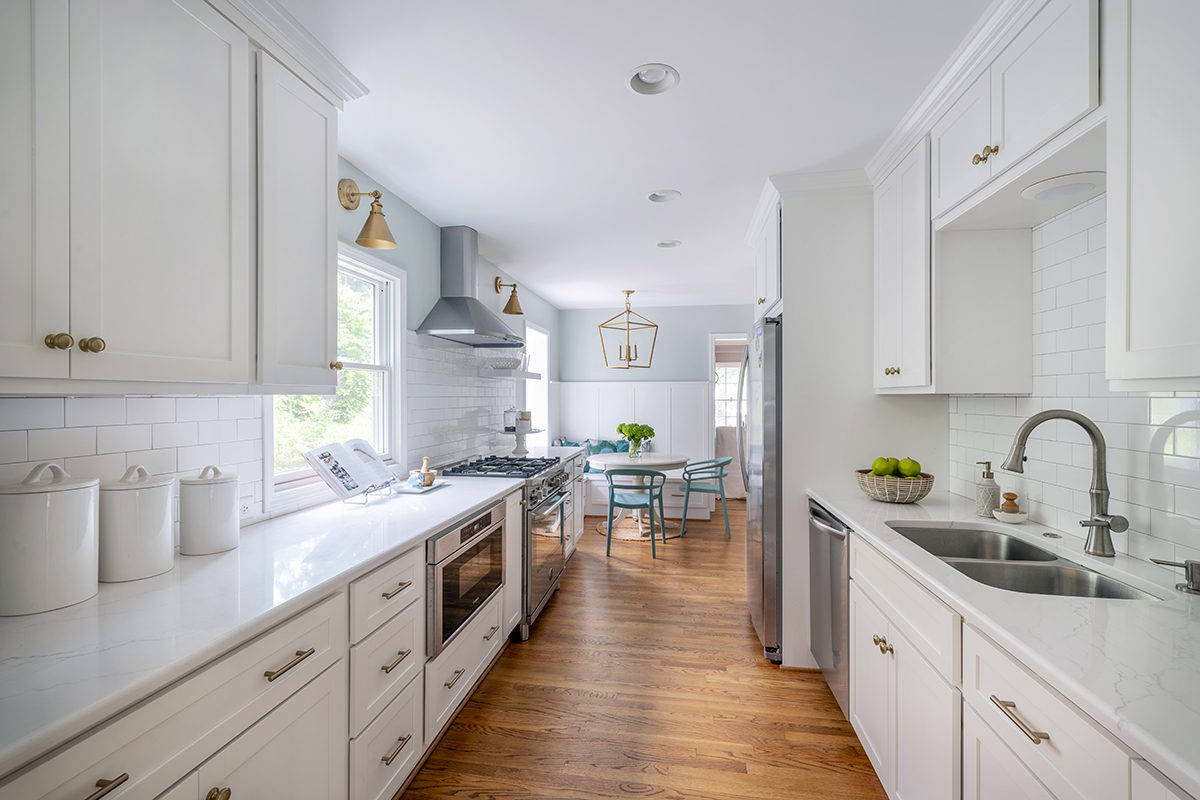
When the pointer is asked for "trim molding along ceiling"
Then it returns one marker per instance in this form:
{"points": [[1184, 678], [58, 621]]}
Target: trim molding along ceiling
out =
{"points": [[281, 26], [1003, 19]]}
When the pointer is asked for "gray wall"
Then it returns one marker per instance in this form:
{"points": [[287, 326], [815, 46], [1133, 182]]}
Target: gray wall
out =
{"points": [[418, 250], [682, 351]]}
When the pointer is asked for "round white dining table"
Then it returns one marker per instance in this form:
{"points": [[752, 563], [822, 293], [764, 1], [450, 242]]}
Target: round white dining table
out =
{"points": [[635, 528]]}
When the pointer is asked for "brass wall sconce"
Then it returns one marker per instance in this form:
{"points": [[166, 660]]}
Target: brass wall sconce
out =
{"points": [[623, 331], [375, 233], [513, 306]]}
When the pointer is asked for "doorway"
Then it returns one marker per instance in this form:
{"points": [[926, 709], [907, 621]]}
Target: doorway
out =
{"points": [[726, 360]]}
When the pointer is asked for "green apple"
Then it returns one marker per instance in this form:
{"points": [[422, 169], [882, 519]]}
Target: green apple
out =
{"points": [[909, 468], [881, 466]]}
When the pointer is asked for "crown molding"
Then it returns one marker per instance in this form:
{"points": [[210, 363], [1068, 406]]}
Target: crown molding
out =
{"points": [[276, 22], [767, 200], [842, 181], [1003, 20]]}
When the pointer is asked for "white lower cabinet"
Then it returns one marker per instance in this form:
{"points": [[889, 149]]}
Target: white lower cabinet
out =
{"points": [[451, 676], [386, 753], [990, 770], [298, 751], [186, 789], [1150, 784], [906, 715]]}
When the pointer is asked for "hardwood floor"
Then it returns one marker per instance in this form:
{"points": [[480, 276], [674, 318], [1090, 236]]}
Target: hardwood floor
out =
{"points": [[645, 678]]}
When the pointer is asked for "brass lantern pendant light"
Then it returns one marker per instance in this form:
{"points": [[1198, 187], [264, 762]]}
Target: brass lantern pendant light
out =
{"points": [[620, 336], [375, 233]]}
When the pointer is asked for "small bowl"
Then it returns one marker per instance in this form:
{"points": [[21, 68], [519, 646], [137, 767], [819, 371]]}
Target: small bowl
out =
{"points": [[1012, 517], [427, 477]]}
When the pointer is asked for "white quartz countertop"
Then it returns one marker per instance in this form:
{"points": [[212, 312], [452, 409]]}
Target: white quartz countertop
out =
{"points": [[1132, 665], [64, 671]]}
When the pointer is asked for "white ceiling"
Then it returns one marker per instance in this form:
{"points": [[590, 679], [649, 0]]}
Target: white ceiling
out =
{"points": [[515, 118]]}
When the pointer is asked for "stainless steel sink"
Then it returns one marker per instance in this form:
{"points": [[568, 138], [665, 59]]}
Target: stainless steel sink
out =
{"points": [[1062, 578], [966, 543]]}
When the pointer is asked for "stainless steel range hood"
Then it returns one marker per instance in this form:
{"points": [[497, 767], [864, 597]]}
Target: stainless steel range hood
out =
{"points": [[458, 315]]}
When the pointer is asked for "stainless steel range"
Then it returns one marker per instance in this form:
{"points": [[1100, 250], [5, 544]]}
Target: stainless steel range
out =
{"points": [[548, 508]]}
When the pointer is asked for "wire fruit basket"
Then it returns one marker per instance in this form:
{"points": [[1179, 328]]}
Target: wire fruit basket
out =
{"points": [[892, 489]]}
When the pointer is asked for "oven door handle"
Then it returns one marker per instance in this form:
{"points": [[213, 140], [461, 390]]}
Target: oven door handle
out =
{"points": [[542, 515]]}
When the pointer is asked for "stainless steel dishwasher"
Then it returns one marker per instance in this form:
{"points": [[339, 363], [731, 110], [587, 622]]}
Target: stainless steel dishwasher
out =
{"points": [[829, 585]]}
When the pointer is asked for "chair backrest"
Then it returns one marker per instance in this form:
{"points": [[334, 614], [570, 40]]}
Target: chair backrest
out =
{"points": [[653, 478], [712, 468]]}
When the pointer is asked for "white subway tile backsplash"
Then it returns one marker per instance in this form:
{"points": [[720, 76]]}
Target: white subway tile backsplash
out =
{"points": [[156, 462], [54, 443], [197, 457], [23, 413], [238, 407], [123, 438], [175, 434], [107, 467], [14, 447], [225, 430], [149, 409], [195, 409], [92, 411], [1071, 247]]}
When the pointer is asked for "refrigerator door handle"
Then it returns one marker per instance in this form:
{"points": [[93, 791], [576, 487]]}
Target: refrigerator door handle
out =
{"points": [[740, 437]]}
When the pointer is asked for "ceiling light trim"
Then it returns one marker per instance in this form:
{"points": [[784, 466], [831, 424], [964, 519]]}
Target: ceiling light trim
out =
{"points": [[668, 82], [664, 196]]}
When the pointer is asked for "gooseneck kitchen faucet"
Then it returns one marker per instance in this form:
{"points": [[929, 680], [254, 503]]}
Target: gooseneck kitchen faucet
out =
{"points": [[1099, 540]]}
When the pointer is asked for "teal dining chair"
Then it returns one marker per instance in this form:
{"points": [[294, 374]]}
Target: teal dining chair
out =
{"points": [[636, 496], [699, 476]]}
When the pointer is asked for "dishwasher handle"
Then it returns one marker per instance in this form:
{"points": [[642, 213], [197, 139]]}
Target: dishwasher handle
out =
{"points": [[832, 531]]}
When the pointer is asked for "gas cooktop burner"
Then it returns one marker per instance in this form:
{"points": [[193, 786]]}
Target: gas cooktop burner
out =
{"points": [[501, 467]]}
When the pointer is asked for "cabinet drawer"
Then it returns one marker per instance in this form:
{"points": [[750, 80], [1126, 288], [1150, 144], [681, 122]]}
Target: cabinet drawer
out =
{"points": [[1150, 784], [396, 737], [384, 663], [991, 771], [932, 626], [378, 596], [1079, 759], [450, 677], [169, 734]]}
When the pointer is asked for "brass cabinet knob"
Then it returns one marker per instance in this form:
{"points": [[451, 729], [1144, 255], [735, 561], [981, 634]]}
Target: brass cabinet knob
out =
{"points": [[876, 639], [988, 152], [885, 648], [92, 345], [892, 371], [762, 300], [219, 794], [59, 341], [335, 365]]}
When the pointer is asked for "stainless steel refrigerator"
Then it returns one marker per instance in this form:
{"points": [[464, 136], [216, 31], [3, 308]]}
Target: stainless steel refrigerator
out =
{"points": [[760, 439]]}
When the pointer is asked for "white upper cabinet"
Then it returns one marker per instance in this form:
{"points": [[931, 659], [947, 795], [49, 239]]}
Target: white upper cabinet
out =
{"points": [[297, 241], [1153, 167], [1045, 79], [35, 250], [764, 236], [902, 290], [160, 184]]}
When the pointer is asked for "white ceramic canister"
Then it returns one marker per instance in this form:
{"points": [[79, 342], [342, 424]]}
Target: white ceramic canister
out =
{"points": [[208, 513], [48, 552], [137, 532]]}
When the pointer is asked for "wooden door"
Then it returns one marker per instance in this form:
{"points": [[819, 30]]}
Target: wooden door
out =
{"points": [[926, 740], [871, 695], [990, 770], [298, 751], [297, 239], [1046, 79], [159, 199], [955, 140], [35, 250]]}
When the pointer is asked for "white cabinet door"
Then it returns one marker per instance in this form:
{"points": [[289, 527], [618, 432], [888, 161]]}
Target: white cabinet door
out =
{"points": [[1045, 79], [959, 136], [902, 275], [298, 751], [990, 770], [297, 239], [35, 252], [159, 200], [767, 252], [871, 695], [514, 545], [1153, 168], [926, 737], [186, 789]]}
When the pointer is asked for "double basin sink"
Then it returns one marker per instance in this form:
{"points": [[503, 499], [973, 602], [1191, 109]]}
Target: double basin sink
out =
{"points": [[1006, 562]]}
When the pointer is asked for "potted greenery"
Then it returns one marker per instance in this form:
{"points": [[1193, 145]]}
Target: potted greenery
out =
{"points": [[636, 435]]}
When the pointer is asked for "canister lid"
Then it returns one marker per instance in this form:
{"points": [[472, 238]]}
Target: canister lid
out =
{"points": [[208, 476], [59, 481], [137, 477]]}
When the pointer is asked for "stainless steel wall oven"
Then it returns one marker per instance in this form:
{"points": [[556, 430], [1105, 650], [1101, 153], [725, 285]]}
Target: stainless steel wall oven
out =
{"points": [[464, 568]]}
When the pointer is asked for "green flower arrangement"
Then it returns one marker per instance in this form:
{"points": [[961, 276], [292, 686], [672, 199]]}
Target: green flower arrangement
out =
{"points": [[636, 434]]}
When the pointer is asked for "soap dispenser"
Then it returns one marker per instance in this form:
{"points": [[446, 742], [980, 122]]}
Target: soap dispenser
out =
{"points": [[987, 491]]}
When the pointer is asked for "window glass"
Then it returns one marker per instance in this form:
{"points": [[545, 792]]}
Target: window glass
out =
{"points": [[726, 396]]}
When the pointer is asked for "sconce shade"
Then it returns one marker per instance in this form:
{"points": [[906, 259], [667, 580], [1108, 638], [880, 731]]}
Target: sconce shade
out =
{"points": [[375, 233], [513, 306], [621, 335]]}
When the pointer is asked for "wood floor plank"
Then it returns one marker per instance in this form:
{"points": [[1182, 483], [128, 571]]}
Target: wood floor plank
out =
{"points": [[644, 678]]}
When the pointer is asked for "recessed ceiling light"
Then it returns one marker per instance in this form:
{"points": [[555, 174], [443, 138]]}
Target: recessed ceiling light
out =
{"points": [[653, 79], [663, 196], [670, 243], [1077, 184]]}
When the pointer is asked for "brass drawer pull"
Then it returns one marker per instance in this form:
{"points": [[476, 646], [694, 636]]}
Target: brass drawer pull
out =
{"points": [[1006, 707], [219, 794], [491, 633], [403, 654], [107, 786], [397, 590], [458, 673], [390, 757], [271, 675]]}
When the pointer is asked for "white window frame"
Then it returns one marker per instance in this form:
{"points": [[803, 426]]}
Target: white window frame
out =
{"points": [[299, 488], [524, 399]]}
